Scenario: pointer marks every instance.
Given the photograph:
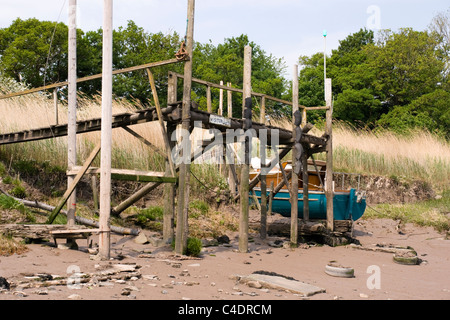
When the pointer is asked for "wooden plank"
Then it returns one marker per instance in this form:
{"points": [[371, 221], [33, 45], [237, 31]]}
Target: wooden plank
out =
{"points": [[69, 231], [71, 188], [131, 175]]}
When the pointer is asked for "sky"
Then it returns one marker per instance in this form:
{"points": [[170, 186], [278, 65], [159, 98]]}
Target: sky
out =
{"points": [[284, 28]]}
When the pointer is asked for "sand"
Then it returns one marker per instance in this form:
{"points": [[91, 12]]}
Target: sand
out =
{"points": [[163, 276]]}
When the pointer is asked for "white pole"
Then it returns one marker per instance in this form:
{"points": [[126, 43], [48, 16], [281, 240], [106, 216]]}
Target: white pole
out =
{"points": [[72, 108], [325, 61], [105, 166]]}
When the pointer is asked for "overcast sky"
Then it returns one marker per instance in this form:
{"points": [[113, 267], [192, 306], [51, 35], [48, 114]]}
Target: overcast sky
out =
{"points": [[285, 28]]}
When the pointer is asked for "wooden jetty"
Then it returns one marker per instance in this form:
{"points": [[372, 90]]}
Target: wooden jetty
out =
{"points": [[183, 113]]}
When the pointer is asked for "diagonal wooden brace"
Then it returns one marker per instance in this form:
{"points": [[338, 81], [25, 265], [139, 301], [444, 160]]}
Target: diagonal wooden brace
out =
{"points": [[71, 188]]}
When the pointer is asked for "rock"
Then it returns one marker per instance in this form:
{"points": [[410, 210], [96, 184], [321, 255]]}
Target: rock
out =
{"points": [[210, 242], [74, 297], [254, 284], [4, 284], [43, 292], [141, 239], [223, 239], [20, 294]]}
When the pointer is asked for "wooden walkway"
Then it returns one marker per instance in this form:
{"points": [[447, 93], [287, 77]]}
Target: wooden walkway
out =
{"points": [[171, 114]]}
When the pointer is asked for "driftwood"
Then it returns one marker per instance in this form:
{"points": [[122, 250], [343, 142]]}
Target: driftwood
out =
{"points": [[281, 226], [81, 220], [31, 231]]}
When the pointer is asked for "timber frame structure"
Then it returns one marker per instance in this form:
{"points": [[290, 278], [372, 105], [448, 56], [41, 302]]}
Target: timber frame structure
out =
{"points": [[181, 113]]}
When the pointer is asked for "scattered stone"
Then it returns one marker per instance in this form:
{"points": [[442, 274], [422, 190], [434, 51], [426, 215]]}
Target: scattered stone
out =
{"points": [[92, 250], [20, 294], [131, 288], [223, 239], [210, 243], [185, 273], [105, 284], [254, 284], [164, 292], [4, 284], [276, 243], [74, 297], [363, 295], [156, 242], [141, 239], [120, 281], [42, 292]]}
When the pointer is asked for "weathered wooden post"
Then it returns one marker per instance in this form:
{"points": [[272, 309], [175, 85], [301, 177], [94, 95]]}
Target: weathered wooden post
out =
{"points": [[263, 227], [55, 103], [208, 99], [296, 135], [170, 188], [106, 130], [245, 170], [72, 109], [229, 101], [220, 111], [183, 188], [262, 114], [329, 148]]}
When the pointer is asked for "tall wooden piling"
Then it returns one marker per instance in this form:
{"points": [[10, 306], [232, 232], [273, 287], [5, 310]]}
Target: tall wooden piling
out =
{"points": [[295, 163], [72, 109], [170, 188], [329, 148], [106, 131], [245, 170], [183, 187]]}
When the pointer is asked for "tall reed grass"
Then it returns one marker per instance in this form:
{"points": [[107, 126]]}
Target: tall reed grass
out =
{"points": [[420, 155]]}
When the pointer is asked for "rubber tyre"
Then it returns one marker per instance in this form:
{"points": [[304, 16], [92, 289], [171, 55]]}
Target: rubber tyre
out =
{"points": [[410, 258], [338, 271]]}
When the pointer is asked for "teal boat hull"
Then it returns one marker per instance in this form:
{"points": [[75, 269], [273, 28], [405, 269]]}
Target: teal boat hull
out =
{"points": [[346, 205]]}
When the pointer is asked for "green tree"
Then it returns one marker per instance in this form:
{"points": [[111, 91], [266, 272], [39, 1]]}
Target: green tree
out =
{"points": [[407, 65], [26, 55], [225, 63], [430, 112]]}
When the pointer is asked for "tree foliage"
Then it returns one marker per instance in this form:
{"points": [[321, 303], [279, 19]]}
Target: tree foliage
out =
{"points": [[396, 79]]}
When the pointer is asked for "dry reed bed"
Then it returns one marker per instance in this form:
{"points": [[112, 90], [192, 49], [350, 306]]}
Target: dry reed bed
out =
{"points": [[421, 155]]}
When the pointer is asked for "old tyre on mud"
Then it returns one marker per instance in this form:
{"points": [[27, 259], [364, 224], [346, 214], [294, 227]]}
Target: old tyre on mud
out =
{"points": [[407, 257], [336, 270]]}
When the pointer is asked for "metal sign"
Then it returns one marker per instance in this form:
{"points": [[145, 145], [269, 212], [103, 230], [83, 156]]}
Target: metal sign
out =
{"points": [[221, 121]]}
